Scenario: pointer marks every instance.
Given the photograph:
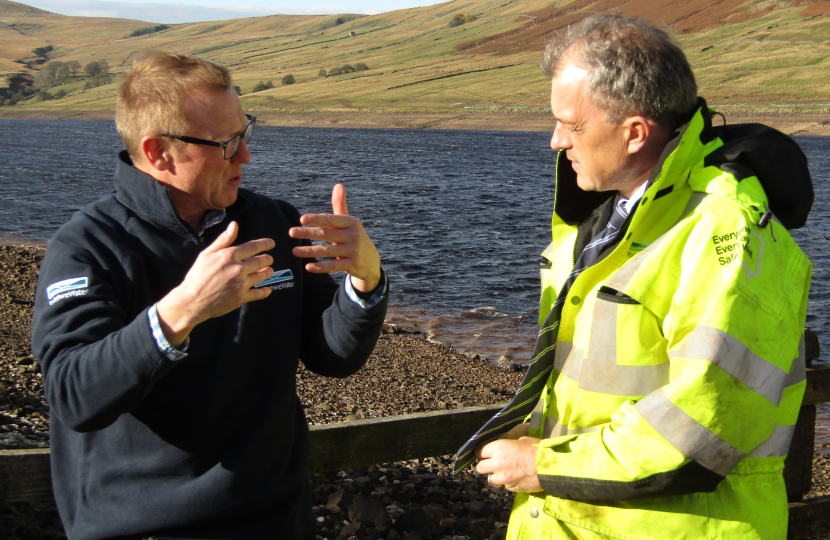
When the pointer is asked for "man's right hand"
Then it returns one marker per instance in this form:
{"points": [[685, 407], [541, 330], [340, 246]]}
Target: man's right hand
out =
{"points": [[218, 282]]}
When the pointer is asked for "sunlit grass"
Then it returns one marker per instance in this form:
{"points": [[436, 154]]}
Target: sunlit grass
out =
{"points": [[777, 56]]}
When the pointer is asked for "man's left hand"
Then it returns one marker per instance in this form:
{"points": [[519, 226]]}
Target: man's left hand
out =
{"points": [[349, 245], [510, 463]]}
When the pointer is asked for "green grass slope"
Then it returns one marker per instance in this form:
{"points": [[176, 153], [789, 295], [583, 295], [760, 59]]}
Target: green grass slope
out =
{"points": [[743, 51]]}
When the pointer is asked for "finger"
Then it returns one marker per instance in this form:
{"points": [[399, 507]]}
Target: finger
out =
{"points": [[327, 267], [225, 239], [257, 264], [484, 451], [255, 278], [338, 200], [322, 252], [252, 295], [326, 234], [247, 250], [328, 220]]}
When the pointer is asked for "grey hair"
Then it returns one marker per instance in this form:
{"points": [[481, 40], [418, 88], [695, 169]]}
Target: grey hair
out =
{"points": [[634, 68]]}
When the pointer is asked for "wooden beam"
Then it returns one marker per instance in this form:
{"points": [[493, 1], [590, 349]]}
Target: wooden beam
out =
{"points": [[384, 440], [809, 518], [798, 465], [818, 386], [25, 476]]}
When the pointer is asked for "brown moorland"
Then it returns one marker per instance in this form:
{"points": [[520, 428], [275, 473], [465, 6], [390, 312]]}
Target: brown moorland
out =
{"points": [[755, 59]]}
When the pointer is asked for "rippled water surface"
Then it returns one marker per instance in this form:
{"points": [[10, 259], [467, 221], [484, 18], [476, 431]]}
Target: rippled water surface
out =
{"points": [[459, 217]]}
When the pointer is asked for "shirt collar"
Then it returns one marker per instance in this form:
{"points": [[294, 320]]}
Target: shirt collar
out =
{"points": [[625, 205], [212, 217]]}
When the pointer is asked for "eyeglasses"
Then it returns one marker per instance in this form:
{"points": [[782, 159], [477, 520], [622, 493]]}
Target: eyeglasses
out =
{"points": [[228, 147]]}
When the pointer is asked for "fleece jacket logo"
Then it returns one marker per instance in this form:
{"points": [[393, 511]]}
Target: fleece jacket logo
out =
{"points": [[78, 286], [281, 279]]}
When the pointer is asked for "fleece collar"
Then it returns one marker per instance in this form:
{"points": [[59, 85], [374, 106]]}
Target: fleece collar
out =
{"points": [[149, 199]]}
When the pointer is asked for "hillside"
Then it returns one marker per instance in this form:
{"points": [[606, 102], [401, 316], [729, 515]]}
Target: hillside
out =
{"points": [[755, 52]]}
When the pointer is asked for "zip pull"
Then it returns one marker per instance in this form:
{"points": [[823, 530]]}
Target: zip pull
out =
{"points": [[766, 219]]}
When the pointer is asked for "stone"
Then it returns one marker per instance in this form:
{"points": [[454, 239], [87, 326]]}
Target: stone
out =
{"points": [[370, 512], [436, 512], [350, 529], [416, 521], [436, 493], [475, 507], [448, 523], [338, 501], [363, 481]]}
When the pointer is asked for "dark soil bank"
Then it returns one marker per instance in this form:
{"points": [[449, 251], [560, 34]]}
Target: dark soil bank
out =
{"points": [[406, 374]]}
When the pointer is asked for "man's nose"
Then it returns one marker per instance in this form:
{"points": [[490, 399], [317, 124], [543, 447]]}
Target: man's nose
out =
{"points": [[242, 155], [560, 140]]}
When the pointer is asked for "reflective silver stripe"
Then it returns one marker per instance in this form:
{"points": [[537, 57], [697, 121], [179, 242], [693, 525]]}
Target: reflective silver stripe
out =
{"points": [[624, 275], [686, 434], [735, 358], [549, 251], [550, 427], [538, 414], [563, 349], [777, 445], [573, 363], [600, 372], [694, 201], [798, 369], [556, 429]]}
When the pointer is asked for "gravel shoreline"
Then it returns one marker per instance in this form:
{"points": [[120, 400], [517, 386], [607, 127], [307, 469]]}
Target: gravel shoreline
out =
{"points": [[421, 496]]}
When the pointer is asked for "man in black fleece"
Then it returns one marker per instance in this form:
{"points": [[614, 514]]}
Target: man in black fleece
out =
{"points": [[170, 319]]}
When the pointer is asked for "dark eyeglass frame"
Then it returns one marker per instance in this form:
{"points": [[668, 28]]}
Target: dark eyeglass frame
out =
{"points": [[232, 143]]}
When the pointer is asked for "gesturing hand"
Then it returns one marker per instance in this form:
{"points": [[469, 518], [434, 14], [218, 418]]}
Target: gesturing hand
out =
{"points": [[349, 245], [218, 282]]}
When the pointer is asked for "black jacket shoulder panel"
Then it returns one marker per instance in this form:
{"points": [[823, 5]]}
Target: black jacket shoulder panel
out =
{"points": [[778, 162]]}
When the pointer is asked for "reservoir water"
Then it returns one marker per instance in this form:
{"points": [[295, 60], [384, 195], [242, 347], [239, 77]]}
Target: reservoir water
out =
{"points": [[459, 217]]}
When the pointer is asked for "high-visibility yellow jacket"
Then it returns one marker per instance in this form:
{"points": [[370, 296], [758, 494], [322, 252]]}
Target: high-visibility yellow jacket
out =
{"points": [[679, 367]]}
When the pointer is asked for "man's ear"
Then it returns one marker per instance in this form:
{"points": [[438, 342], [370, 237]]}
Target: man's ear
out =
{"points": [[638, 131], [155, 154]]}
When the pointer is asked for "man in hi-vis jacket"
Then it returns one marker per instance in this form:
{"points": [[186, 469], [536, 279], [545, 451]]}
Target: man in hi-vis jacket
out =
{"points": [[669, 367], [170, 319]]}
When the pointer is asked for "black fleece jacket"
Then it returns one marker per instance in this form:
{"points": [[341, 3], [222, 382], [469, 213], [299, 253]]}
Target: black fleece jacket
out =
{"points": [[214, 445]]}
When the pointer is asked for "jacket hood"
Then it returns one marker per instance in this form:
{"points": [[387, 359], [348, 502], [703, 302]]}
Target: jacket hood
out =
{"points": [[741, 150], [774, 158]]}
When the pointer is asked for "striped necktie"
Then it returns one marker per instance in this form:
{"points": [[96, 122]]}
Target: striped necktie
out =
{"points": [[542, 361]]}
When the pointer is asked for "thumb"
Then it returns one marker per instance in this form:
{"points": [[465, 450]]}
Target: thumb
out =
{"points": [[225, 239], [338, 200]]}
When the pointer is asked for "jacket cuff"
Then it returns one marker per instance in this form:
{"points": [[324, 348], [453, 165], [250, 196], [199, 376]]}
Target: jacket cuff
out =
{"points": [[369, 299], [164, 346]]}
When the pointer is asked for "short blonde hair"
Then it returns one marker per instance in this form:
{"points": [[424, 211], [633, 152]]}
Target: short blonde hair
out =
{"points": [[152, 96]]}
